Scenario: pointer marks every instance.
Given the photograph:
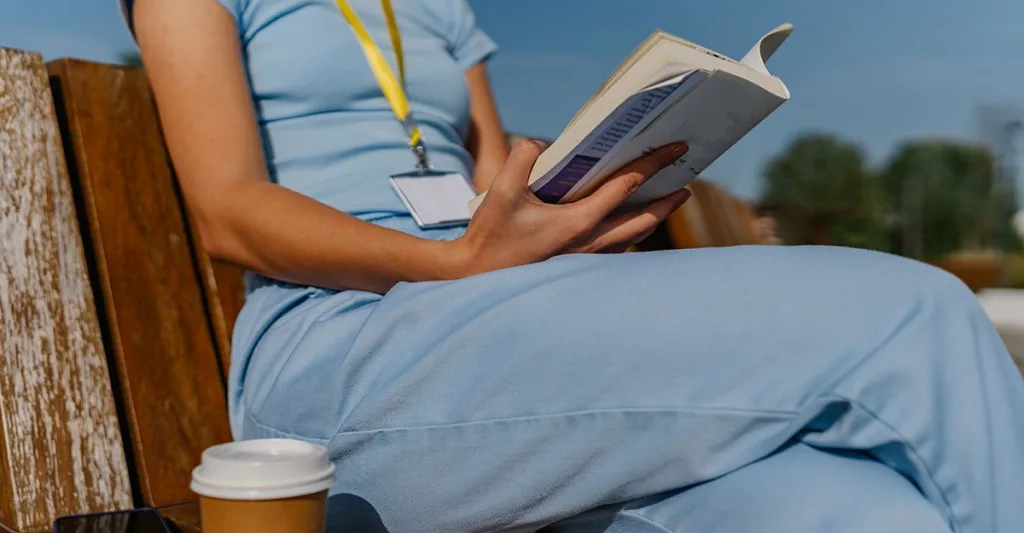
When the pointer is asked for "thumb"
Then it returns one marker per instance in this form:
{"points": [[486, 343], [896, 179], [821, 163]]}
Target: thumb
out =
{"points": [[515, 175]]}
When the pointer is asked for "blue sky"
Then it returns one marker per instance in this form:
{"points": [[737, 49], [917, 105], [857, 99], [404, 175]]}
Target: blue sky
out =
{"points": [[873, 71]]}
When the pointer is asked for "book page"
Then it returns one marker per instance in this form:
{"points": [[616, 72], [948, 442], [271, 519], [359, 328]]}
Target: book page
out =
{"points": [[766, 47], [692, 56], [710, 119], [590, 157]]}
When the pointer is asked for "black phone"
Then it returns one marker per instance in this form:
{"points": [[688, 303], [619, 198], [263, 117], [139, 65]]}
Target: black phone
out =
{"points": [[137, 521]]}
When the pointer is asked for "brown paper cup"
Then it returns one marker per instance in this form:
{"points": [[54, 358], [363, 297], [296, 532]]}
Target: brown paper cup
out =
{"points": [[271, 486], [303, 514]]}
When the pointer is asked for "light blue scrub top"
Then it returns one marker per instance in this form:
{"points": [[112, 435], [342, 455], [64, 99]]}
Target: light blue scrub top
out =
{"points": [[328, 131]]}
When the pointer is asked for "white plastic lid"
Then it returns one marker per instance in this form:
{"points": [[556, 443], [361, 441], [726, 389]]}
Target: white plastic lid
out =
{"points": [[267, 469]]}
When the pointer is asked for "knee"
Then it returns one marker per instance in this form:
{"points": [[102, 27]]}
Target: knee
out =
{"points": [[929, 317], [913, 283], [907, 272], [940, 295], [936, 282], [868, 269]]}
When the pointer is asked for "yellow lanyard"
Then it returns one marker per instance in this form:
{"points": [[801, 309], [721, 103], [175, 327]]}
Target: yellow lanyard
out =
{"points": [[393, 90]]}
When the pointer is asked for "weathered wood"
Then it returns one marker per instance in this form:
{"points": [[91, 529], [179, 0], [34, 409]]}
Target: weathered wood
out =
{"points": [[60, 444], [152, 291]]}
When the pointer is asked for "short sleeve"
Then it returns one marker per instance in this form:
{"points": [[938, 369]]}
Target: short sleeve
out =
{"points": [[233, 6], [468, 44]]}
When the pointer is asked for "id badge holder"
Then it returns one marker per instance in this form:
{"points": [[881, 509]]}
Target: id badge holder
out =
{"points": [[435, 198]]}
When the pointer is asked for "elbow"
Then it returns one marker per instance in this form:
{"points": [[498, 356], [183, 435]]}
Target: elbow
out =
{"points": [[213, 245], [220, 227], [214, 238]]}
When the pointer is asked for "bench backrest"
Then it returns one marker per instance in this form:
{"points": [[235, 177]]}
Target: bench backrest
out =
{"points": [[60, 443], [712, 217], [161, 300]]}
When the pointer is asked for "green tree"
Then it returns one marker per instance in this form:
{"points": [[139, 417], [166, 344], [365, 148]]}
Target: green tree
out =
{"points": [[823, 193], [944, 198]]}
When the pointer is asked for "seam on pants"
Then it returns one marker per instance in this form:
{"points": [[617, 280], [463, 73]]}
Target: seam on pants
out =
{"points": [[681, 409], [284, 434], [780, 414], [286, 353], [897, 329], [913, 451], [644, 520], [320, 316]]}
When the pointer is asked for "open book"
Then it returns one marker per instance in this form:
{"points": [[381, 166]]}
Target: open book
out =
{"points": [[667, 90]]}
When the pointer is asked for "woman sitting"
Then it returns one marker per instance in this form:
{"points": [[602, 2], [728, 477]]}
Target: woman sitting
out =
{"points": [[517, 374]]}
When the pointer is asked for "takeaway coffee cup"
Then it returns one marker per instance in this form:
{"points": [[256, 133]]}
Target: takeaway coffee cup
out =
{"points": [[270, 485]]}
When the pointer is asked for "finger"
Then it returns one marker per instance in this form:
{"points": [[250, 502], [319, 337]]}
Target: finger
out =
{"points": [[659, 210], [634, 226], [515, 174], [617, 249], [624, 182]]}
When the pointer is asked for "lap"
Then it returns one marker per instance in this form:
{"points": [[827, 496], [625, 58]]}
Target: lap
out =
{"points": [[581, 333], [535, 393]]}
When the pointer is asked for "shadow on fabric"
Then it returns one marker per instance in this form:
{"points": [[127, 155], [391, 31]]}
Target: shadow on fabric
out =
{"points": [[348, 513]]}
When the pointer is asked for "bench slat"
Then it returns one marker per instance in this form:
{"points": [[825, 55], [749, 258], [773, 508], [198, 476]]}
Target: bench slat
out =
{"points": [[743, 220], [715, 220], [685, 226], [152, 289], [60, 442], [224, 287]]}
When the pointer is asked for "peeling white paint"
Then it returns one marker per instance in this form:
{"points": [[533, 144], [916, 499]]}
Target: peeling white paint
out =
{"points": [[59, 425]]}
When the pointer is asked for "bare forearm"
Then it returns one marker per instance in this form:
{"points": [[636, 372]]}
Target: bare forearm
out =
{"points": [[487, 139], [492, 156], [287, 236]]}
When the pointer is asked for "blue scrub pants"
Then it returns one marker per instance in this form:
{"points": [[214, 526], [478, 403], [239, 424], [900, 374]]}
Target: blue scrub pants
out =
{"points": [[751, 389]]}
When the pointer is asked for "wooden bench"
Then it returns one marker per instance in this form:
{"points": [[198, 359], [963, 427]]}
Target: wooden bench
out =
{"points": [[60, 441], [711, 218], [167, 309], [114, 324]]}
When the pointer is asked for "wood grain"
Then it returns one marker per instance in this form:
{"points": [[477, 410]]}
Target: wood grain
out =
{"points": [[224, 288], [718, 214], [185, 517], [715, 223], [712, 217], [60, 445], [685, 226], [153, 296]]}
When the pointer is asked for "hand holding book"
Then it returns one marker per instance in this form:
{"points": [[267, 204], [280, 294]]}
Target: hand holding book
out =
{"points": [[512, 227]]}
